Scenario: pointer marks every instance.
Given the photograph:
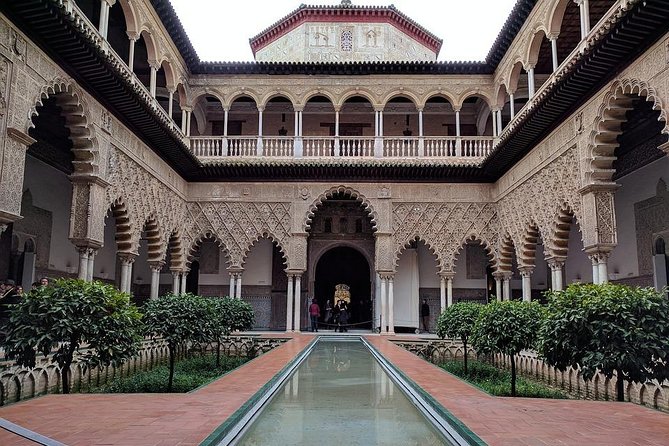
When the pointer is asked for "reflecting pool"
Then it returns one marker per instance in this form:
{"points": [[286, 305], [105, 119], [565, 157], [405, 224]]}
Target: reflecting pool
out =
{"points": [[340, 395]]}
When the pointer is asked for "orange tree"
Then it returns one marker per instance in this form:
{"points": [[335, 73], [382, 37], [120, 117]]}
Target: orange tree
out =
{"points": [[457, 321], [507, 327], [57, 320], [614, 329]]}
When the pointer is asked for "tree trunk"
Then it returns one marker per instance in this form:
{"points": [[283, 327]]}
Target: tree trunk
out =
{"points": [[218, 353], [464, 343], [169, 381], [65, 372], [620, 386], [513, 375]]}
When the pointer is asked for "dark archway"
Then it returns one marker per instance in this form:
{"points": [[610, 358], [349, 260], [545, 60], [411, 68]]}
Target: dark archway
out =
{"points": [[348, 266], [193, 278]]}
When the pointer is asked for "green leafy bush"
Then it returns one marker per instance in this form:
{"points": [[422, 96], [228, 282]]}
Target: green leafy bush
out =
{"points": [[507, 327], [457, 321], [608, 328], [189, 374], [227, 314], [498, 381], [58, 319]]}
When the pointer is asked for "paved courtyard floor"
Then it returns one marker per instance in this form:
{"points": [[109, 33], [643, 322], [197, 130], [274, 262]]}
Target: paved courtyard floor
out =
{"points": [[187, 419]]}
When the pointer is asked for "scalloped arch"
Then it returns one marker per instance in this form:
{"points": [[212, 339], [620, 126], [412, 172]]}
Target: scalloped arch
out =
{"points": [[197, 241], [76, 113], [429, 245], [266, 235], [306, 225], [610, 117], [123, 233], [485, 243]]}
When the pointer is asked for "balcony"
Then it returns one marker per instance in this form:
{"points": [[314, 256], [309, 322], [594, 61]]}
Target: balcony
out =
{"points": [[216, 149]]}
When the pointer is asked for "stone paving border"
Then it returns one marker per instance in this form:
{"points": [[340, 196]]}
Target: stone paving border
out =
{"points": [[187, 419]]}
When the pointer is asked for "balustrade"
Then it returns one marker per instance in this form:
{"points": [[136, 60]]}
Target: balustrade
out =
{"points": [[395, 147]]}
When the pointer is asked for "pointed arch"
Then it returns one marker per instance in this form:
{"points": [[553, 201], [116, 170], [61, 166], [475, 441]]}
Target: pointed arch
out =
{"points": [[607, 127], [266, 235], [345, 191], [76, 112], [430, 245], [119, 210]]}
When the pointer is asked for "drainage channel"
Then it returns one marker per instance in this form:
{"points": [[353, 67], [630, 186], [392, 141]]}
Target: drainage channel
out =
{"points": [[341, 390]]}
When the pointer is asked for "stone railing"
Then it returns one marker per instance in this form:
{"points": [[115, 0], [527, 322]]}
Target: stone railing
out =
{"points": [[219, 148], [651, 393], [19, 383]]}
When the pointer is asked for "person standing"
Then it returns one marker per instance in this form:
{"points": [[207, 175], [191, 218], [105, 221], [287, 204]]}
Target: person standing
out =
{"points": [[314, 314], [425, 315], [343, 316]]}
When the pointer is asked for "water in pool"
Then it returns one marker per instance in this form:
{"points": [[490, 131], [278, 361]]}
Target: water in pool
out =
{"points": [[340, 396]]}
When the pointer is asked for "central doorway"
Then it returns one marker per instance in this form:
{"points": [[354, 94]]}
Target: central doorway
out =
{"points": [[345, 265]]}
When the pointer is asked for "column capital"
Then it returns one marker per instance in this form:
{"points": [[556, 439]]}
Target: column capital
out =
{"points": [[447, 274], [260, 108], [556, 262], [529, 66], [153, 64], [457, 108], [298, 108], [598, 256], [552, 36], [386, 275], [502, 275], [156, 265], [127, 257], [526, 271], [109, 2], [132, 35], [187, 108]]}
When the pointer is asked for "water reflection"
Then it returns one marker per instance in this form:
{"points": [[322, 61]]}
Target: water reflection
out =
{"points": [[341, 395]]}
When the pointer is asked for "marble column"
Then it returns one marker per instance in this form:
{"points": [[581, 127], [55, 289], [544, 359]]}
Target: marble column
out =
{"points": [[512, 105], [184, 276], [383, 318], [530, 82], [556, 265], [238, 285], [83, 263], [297, 322], [175, 282], [259, 146], [231, 292], [554, 53], [594, 258], [131, 53], [506, 285], [499, 278], [391, 305], [526, 274], [152, 84], [289, 304], [442, 293], [91, 265]]}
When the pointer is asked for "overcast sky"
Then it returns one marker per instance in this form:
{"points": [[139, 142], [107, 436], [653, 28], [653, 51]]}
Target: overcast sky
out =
{"points": [[220, 29]]}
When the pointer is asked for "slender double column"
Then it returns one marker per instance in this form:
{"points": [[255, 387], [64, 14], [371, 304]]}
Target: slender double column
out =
{"points": [[156, 267], [584, 10], [86, 262], [499, 278], [127, 261], [103, 26], [556, 265], [235, 283], [294, 302], [387, 316], [526, 275], [600, 273], [506, 285]]}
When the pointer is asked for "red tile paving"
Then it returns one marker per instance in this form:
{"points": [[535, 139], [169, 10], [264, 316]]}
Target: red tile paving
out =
{"points": [[187, 419]]}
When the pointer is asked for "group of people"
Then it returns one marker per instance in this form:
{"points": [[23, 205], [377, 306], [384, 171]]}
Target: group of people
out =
{"points": [[338, 315]]}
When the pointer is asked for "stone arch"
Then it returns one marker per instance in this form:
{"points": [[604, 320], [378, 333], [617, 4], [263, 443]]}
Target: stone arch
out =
{"points": [[474, 92], [506, 252], [532, 54], [170, 75], [124, 225], [558, 237], [610, 117], [154, 239], [76, 112], [556, 16], [277, 94], [362, 92], [344, 190], [428, 244], [500, 95], [514, 75], [130, 16], [487, 247], [643, 395], [400, 94], [528, 249], [438, 94], [197, 241], [176, 251], [202, 94], [232, 97], [658, 399], [269, 236], [151, 46], [318, 92]]}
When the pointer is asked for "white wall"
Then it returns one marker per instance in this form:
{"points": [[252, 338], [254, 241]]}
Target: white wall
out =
{"points": [[51, 190]]}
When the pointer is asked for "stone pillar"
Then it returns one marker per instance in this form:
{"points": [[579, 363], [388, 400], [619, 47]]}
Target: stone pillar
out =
{"points": [[259, 147], [336, 122], [391, 305], [499, 122], [506, 285], [132, 37], [584, 12], [554, 53], [238, 285], [298, 150], [297, 322], [530, 81], [175, 282], [526, 274], [188, 116], [499, 278], [104, 17], [83, 263], [421, 142], [156, 267], [184, 115], [289, 303], [512, 105], [442, 293], [378, 141], [184, 276], [383, 319], [152, 84], [127, 260], [231, 293], [556, 265], [449, 288], [170, 106], [495, 130], [458, 141], [91, 265], [12, 168]]}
